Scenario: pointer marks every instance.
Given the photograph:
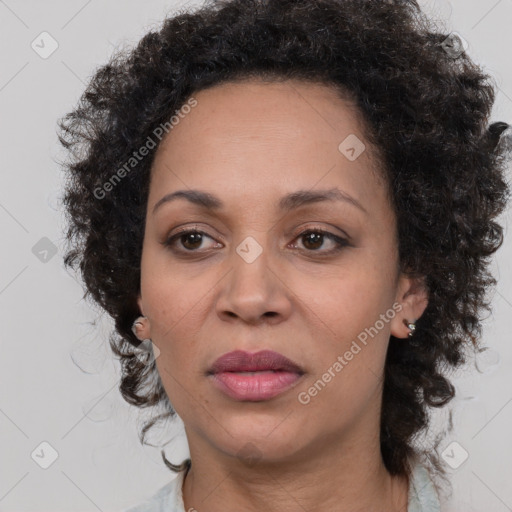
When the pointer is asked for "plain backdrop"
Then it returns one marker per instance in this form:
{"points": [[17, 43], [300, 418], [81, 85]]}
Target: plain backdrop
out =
{"points": [[58, 379]]}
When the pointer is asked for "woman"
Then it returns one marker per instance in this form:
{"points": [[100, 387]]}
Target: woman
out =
{"points": [[295, 202]]}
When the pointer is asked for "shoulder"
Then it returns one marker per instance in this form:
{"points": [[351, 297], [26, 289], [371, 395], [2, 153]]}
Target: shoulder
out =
{"points": [[166, 499], [423, 495]]}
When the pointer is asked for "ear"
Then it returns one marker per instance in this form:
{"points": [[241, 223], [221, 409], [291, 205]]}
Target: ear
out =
{"points": [[143, 330], [412, 295]]}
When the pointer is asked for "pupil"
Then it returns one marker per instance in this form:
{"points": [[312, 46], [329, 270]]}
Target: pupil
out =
{"points": [[189, 236], [315, 238]]}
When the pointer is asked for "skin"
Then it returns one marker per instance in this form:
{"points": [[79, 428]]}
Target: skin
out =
{"points": [[249, 144]]}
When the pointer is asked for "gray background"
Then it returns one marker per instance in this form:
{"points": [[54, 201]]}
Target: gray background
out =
{"points": [[58, 379]]}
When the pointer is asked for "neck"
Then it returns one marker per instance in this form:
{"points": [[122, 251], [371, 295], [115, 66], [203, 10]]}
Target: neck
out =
{"points": [[348, 479]]}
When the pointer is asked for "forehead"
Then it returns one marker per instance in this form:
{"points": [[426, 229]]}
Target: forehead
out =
{"points": [[292, 107], [259, 136]]}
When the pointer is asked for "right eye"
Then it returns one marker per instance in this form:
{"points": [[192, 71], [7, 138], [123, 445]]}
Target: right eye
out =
{"points": [[189, 239]]}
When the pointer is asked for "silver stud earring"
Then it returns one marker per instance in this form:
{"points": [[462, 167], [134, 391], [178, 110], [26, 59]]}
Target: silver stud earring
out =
{"points": [[411, 326]]}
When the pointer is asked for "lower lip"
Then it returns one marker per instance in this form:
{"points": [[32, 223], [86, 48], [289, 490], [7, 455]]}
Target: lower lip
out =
{"points": [[254, 387]]}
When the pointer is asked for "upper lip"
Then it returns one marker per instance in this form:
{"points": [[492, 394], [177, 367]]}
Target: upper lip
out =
{"points": [[241, 361]]}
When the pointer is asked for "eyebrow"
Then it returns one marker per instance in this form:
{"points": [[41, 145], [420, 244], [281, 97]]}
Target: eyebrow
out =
{"points": [[286, 203]]}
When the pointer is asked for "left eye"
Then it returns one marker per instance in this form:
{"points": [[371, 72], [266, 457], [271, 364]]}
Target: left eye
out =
{"points": [[313, 239]]}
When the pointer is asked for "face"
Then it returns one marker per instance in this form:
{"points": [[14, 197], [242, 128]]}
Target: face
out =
{"points": [[271, 269]]}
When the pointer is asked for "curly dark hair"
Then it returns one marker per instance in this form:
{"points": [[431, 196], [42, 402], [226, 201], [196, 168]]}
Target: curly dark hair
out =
{"points": [[425, 109]]}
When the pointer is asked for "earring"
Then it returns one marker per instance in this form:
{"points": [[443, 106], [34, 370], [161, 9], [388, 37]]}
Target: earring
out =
{"points": [[146, 352], [411, 326], [137, 324]]}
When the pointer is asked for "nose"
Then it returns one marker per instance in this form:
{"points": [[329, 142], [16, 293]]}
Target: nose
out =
{"points": [[255, 290]]}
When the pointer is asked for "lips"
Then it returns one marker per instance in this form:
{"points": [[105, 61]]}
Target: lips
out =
{"points": [[254, 377], [265, 360]]}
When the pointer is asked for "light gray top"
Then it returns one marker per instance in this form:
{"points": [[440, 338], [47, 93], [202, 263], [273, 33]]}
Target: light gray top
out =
{"points": [[423, 496]]}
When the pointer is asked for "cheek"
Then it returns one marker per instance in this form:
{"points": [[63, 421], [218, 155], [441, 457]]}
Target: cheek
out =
{"points": [[345, 321], [351, 349], [349, 299], [172, 305]]}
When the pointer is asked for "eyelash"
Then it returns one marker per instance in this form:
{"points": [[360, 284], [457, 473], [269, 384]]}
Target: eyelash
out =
{"points": [[341, 243]]}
